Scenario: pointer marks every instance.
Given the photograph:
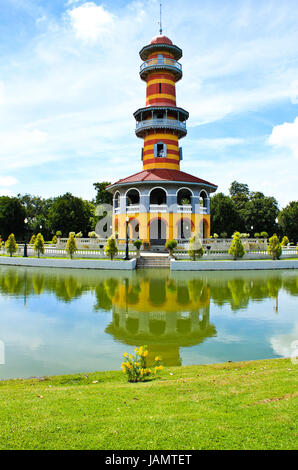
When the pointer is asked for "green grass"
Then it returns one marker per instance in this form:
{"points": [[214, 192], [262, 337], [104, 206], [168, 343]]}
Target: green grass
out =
{"points": [[247, 405]]}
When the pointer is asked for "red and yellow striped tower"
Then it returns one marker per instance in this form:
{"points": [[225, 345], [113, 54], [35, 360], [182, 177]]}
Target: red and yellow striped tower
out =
{"points": [[161, 124], [161, 202]]}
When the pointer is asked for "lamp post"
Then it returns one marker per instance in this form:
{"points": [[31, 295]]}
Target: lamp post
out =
{"points": [[127, 239], [25, 255]]}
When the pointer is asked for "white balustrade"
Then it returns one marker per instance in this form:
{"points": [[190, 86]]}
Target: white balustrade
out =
{"points": [[158, 208], [184, 209]]}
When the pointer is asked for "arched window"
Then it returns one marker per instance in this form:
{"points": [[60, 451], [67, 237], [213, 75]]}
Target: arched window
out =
{"points": [[203, 199], [133, 197], [184, 197], [117, 200], [158, 196], [160, 150]]}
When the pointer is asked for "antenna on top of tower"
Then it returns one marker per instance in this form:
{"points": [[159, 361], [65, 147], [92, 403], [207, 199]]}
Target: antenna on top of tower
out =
{"points": [[160, 19]]}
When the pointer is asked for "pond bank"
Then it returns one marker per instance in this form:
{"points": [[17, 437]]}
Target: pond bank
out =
{"points": [[69, 263], [244, 405], [212, 265], [230, 265]]}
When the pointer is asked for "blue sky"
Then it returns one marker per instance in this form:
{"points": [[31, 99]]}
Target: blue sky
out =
{"points": [[69, 84]]}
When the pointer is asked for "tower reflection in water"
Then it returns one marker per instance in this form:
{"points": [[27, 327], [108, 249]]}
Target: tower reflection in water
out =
{"points": [[163, 313]]}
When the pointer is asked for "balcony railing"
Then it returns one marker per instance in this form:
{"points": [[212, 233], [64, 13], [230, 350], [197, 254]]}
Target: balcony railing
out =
{"points": [[184, 209], [158, 208], [133, 209], [172, 123], [161, 62], [181, 209]]}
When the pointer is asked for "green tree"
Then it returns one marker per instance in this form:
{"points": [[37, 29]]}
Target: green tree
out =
{"points": [[54, 240], [288, 221], [260, 212], [274, 248], [39, 244], [12, 216], [11, 245], [71, 245], [70, 213], [224, 216], [111, 247], [240, 195], [195, 249], [102, 195], [37, 212], [236, 249]]}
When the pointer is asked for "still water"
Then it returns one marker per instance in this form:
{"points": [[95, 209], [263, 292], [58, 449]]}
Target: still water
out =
{"points": [[68, 321]]}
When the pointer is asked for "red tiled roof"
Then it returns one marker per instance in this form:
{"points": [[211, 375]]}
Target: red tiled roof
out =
{"points": [[161, 40], [161, 175]]}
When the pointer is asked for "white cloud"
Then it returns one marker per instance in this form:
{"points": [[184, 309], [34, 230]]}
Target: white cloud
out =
{"points": [[6, 192], [286, 136], [7, 180], [283, 344], [90, 21]]}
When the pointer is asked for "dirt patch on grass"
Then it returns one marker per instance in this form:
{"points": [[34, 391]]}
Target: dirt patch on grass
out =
{"points": [[288, 396]]}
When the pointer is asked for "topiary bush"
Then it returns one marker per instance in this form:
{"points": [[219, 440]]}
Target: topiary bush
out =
{"points": [[195, 249], [11, 245], [71, 245], [39, 244], [111, 247], [236, 249], [274, 248]]}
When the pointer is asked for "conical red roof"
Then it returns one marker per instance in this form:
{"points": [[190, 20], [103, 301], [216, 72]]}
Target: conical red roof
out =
{"points": [[161, 40]]}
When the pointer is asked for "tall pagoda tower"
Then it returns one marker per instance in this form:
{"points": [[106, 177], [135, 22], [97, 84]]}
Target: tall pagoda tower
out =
{"points": [[161, 202]]}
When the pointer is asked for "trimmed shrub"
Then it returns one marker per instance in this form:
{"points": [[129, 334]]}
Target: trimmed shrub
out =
{"points": [[111, 247], [285, 241], [39, 244], [195, 249], [274, 248], [71, 245], [11, 245], [237, 249], [32, 240]]}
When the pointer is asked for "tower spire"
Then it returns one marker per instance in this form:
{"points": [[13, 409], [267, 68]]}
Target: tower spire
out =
{"points": [[160, 18]]}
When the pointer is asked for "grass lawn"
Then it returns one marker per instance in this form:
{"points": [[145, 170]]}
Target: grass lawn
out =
{"points": [[247, 405]]}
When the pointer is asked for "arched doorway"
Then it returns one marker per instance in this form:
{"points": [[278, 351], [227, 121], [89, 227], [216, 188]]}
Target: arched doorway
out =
{"points": [[204, 229], [184, 228], [133, 229], [158, 232]]}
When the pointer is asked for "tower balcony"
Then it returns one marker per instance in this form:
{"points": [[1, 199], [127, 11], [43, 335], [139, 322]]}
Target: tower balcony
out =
{"points": [[162, 63], [156, 123]]}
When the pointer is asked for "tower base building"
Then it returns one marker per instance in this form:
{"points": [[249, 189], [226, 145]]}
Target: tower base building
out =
{"points": [[161, 202]]}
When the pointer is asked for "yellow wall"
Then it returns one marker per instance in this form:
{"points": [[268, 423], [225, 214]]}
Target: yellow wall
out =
{"points": [[171, 220]]}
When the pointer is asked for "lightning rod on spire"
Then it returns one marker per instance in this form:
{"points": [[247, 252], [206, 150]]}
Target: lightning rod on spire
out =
{"points": [[160, 18]]}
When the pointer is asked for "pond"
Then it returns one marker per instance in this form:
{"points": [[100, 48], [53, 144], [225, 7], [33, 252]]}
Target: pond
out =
{"points": [[69, 321]]}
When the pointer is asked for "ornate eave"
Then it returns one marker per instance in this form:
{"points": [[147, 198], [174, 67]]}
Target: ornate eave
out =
{"points": [[151, 48]]}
